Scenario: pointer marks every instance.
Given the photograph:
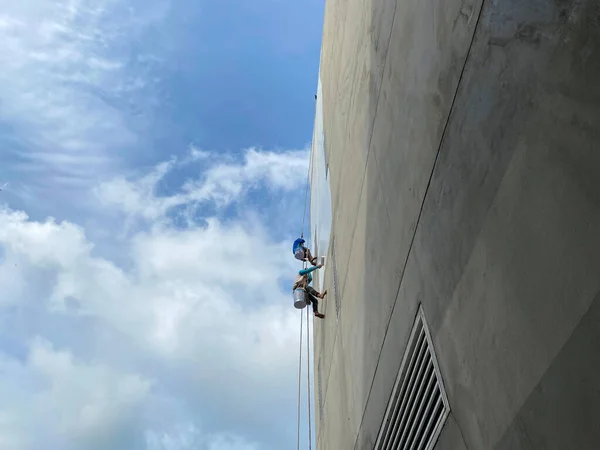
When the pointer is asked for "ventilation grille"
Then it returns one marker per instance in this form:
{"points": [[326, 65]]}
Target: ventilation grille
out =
{"points": [[335, 279], [419, 406]]}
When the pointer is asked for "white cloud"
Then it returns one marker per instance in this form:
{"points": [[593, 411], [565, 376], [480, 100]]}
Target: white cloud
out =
{"points": [[197, 154], [197, 318], [225, 182], [89, 401], [190, 437], [139, 197], [53, 400], [177, 339], [222, 183], [65, 66]]}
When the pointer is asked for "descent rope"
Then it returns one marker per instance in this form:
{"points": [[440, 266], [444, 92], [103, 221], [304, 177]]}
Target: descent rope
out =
{"points": [[308, 376], [300, 377]]}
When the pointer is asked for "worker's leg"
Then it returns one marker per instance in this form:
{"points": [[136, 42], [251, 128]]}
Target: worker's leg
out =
{"points": [[315, 306], [309, 257], [313, 295], [313, 292]]}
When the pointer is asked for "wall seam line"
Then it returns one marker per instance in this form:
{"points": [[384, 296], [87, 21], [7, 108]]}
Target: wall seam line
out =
{"points": [[435, 163]]}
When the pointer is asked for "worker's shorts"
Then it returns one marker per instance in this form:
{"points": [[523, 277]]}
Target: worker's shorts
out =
{"points": [[312, 292]]}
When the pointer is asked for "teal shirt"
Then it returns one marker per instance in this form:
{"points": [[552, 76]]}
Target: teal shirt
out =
{"points": [[308, 271]]}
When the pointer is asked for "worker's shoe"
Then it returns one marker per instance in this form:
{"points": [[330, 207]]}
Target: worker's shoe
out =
{"points": [[319, 315]]}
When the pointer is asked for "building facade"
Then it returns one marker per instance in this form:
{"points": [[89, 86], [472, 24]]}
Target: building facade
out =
{"points": [[461, 158]]}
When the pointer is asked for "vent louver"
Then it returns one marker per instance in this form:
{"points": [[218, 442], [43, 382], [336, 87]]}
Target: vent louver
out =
{"points": [[418, 407]]}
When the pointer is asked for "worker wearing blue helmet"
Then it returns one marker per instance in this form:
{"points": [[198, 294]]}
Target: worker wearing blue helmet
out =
{"points": [[302, 253]]}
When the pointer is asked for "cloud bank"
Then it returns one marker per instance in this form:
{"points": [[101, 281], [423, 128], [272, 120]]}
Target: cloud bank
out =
{"points": [[195, 336], [142, 308]]}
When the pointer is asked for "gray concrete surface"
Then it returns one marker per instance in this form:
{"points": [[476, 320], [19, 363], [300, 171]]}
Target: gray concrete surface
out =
{"points": [[562, 410], [463, 138]]}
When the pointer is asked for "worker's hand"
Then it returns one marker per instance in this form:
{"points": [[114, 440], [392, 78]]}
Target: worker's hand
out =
{"points": [[320, 265]]}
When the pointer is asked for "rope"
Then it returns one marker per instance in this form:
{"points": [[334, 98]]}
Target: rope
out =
{"points": [[304, 265], [308, 375], [299, 376], [308, 390]]}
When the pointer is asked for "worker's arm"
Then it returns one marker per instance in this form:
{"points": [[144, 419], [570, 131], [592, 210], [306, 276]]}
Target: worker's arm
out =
{"points": [[306, 271]]}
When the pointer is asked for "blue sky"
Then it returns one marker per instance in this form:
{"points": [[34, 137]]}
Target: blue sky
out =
{"points": [[156, 154]]}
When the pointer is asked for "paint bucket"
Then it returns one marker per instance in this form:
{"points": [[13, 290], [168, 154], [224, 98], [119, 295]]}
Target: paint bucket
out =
{"points": [[299, 254], [299, 298]]}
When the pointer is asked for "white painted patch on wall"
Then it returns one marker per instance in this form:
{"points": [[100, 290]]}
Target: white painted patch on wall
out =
{"points": [[320, 192]]}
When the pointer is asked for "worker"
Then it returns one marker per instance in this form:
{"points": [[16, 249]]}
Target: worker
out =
{"points": [[303, 281], [302, 253]]}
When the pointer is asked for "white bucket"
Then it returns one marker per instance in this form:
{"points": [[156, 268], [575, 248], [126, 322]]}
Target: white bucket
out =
{"points": [[299, 299], [299, 254]]}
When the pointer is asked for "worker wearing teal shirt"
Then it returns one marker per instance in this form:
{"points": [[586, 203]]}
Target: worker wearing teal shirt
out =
{"points": [[303, 282]]}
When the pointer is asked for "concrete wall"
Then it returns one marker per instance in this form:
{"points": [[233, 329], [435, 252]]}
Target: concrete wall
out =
{"points": [[463, 138]]}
